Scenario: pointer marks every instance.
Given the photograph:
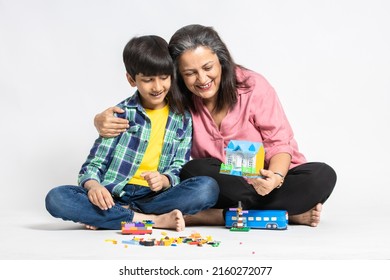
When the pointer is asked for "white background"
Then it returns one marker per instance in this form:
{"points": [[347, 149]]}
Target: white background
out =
{"points": [[329, 61], [61, 63]]}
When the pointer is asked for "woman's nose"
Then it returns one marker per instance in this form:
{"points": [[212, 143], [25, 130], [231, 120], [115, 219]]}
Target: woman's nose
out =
{"points": [[202, 77]]}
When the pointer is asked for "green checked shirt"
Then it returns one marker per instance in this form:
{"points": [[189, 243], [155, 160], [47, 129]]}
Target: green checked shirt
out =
{"points": [[113, 161]]}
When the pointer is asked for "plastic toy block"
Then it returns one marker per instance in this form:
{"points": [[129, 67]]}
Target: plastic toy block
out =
{"points": [[214, 243], [147, 242], [244, 229], [240, 223], [195, 235], [144, 227], [113, 241], [194, 239], [131, 242]]}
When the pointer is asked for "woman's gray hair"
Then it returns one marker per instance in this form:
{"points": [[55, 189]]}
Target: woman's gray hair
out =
{"points": [[193, 36]]}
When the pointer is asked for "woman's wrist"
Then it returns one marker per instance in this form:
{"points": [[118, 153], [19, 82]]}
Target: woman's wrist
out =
{"points": [[281, 176]]}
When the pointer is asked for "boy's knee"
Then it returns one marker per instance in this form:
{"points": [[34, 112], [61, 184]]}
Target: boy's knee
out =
{"points": [[50, 200], [53, 201], [209, 189]]}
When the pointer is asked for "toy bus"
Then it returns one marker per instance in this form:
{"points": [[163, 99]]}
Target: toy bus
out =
{"points": [[258, 219]]}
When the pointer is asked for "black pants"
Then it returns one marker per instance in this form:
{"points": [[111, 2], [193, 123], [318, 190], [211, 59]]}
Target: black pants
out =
{"points": [[304, 186]]}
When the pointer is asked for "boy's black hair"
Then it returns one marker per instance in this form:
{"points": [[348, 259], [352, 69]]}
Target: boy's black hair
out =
{"points": [[149, 55]]}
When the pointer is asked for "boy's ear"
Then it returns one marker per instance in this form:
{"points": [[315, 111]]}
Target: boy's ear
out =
{"points": [[131, 80]]}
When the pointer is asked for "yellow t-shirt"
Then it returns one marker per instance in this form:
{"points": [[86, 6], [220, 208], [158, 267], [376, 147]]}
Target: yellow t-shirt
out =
{"points": [[152, 154]]}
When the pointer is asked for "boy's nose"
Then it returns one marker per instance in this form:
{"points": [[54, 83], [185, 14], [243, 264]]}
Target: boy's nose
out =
{"points": [[157, 86]]}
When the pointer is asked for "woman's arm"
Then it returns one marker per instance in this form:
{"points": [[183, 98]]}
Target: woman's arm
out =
{"points": [[108, 125]]}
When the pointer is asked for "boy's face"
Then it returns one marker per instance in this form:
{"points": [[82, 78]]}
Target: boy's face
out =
{"points": [[153, 89]]}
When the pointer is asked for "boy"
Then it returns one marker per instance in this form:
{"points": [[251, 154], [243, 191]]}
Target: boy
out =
{"points": [[135, 176]]}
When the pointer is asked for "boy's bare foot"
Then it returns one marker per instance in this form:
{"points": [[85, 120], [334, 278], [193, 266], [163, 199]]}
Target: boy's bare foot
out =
{"points": [[309, 218], [90, 227], [171, 220]]}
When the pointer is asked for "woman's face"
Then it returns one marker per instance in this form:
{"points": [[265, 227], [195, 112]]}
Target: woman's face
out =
{"points": [[201, 72]]}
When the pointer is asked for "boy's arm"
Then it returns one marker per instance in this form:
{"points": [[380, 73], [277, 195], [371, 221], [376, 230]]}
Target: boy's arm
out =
{"points": [[98, 160], [108, 124], [182, 154]]}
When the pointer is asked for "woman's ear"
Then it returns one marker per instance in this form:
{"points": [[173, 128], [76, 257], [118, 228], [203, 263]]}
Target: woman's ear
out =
{"points": [[131, 80]]}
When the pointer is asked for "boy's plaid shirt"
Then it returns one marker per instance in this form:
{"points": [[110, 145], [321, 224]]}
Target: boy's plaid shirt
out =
{"points": [[113, 161]]}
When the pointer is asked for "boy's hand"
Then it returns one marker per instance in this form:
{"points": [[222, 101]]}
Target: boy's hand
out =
{"points": [[99, 195], [109, 125], [156, 181]]}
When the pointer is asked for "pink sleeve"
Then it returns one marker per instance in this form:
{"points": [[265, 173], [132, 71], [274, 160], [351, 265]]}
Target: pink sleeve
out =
{"points": [[269, 118]]}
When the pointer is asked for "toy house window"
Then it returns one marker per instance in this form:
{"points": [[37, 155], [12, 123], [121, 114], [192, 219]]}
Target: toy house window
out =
{"points": [[229, 159]]}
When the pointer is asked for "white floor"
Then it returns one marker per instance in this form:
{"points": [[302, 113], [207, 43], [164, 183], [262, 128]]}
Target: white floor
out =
{"points": [[38, 236], [350, 241]]}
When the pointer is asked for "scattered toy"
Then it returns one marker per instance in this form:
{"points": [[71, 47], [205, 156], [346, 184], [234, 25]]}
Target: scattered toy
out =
{"points": [[144, 227]]}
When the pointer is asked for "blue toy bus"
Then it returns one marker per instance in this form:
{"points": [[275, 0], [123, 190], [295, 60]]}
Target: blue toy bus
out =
{"points": [[259, 219]]}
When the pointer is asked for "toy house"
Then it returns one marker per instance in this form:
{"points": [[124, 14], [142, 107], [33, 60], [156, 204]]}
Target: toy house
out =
{"points": [[243, 158]]}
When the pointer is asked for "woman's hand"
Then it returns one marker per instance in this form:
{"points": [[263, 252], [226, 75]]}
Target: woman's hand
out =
{"points": [[267, 184], [99, 195], [108, 125]]}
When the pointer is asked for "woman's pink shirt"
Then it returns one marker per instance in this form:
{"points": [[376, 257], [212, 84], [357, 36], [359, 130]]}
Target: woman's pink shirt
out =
{"points": [[258, 116]]}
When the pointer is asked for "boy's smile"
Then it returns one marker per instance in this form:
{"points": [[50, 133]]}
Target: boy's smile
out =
{"points": [[153, 89]]}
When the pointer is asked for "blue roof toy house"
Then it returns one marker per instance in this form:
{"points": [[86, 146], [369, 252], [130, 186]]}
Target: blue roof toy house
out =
{"points": [[243, 158]]}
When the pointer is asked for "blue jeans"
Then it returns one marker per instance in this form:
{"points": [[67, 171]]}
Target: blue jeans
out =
{"points": [[192, 195]]}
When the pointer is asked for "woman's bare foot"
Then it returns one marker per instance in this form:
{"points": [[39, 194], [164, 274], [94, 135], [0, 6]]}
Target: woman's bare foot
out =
{"points": [[309, 218], [172, 220], [208, 217]]}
